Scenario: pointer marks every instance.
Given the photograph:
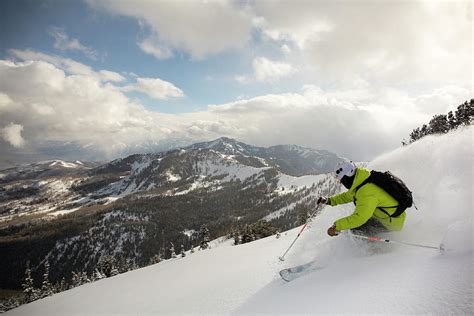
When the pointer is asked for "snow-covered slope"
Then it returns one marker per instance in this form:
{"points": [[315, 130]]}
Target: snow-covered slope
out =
{"points": [[351, 276]]}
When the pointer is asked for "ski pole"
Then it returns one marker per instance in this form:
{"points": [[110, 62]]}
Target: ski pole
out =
{"points": [[319, 207], [373, 238]]}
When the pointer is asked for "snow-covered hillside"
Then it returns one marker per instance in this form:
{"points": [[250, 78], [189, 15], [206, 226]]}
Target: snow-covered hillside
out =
{"points": [[350, 276]]}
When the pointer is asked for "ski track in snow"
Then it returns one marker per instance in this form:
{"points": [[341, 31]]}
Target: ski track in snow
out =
{"points": [[356, 276]]}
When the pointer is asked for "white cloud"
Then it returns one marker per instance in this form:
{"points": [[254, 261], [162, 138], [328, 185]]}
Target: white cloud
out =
{"points": [[85, 109], [5, 101], [66, 64], [50, 105], [388, 42], [63, 43], [242, 79], [271, 71], [286, 49], [443, 99], [155, 88], [154, 48], [81, 112], [12, 134], [199, 28], [355, 123], [42, 109], [265, 70], [107, 75]]}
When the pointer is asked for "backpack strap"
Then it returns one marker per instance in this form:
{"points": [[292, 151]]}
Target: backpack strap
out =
{"points": [[399, 210], [368, 180]]}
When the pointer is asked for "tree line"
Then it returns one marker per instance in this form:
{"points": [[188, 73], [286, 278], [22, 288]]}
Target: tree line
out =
{"points": [[107, 267], [441, 123]]}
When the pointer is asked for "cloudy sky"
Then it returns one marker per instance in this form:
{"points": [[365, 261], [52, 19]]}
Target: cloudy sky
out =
{"points": [[99, 79]]}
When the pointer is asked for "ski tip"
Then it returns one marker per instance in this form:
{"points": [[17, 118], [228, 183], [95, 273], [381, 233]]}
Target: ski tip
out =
{"points": [[284, 275]]}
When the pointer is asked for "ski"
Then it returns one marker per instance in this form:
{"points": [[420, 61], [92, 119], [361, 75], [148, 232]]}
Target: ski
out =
{"points": [[292, 273]]}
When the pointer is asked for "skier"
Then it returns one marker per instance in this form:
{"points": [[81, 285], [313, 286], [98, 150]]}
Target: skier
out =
{"points": [[373, 206]]}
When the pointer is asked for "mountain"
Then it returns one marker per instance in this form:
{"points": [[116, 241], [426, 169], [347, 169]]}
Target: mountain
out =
{"points": [[74, 215], [289, 159], [350, 276], [45, 169]]}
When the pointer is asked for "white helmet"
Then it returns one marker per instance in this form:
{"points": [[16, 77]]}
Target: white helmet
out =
{"points": [[345, 168]]}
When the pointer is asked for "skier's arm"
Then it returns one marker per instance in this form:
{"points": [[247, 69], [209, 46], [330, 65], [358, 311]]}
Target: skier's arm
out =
{"points": [[363, 212], [343, 198]]}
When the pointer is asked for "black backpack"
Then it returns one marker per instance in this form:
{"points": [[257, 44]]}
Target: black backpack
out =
{"points": [[393, 186]]}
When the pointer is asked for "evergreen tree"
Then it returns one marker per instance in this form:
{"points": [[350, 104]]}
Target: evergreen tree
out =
{"points": [[98, 275], [415, 135], [439, 124], [47, 287], [28, 286], [85, 278], [183, 253], [172, 251], [236, 239], [11, 303], [452, 121], [204, 237], [61, 286], [192, 249], [76, 279], [424, 131], [108, 266], [302, 216], [465, 113], [156, 259]]}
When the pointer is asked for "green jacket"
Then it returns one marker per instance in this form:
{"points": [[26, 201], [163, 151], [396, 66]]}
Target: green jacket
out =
{"points": [[369, 198]]}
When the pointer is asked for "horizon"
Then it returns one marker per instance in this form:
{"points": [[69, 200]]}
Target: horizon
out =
{"points": [[156, 152], [98, 80]]}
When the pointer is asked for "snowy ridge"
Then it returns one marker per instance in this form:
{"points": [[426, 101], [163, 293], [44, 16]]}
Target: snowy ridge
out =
{"points": [[64, 164], [231, 168], [206, 165]]}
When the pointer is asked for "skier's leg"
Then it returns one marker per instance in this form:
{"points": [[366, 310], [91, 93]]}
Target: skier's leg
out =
{"points": [[371, 227]]}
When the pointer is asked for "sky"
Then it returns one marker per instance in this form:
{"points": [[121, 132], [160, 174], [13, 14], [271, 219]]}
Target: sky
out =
{"points": [[97, 80]]}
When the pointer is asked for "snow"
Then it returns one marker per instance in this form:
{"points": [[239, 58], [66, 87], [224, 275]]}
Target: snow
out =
{"points": [[58, 186], [138, 167], [232, 170], [63, 212], [189, 232], [110, 199], [171, 177], [63, 164], [295, 183], [351, 276], [280, 212]]}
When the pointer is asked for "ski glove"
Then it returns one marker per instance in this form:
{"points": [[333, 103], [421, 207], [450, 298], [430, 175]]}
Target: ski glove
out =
{"points": [[332, 231], [324, 200]]}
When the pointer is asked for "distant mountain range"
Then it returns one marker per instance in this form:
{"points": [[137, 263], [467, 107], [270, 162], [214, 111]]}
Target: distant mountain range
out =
{"points": [[73, 214]]}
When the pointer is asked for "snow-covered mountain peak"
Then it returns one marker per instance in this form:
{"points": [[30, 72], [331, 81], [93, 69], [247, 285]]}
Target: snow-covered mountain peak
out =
{"points": [[227, 146], [64, 164]]}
